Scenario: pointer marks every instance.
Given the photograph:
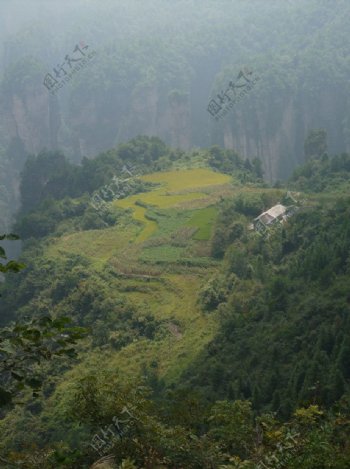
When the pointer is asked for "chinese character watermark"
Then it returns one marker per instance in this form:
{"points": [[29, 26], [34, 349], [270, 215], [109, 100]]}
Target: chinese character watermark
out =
{"points": [[62, 73], [103, 441], [118, 188], [225, 100]]}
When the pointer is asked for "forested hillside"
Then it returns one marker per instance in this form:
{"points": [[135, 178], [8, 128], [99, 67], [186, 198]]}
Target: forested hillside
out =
{"points": [[208, 344]]}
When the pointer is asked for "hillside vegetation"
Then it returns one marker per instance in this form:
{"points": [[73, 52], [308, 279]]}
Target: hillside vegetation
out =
{"points": [[228, 349]]}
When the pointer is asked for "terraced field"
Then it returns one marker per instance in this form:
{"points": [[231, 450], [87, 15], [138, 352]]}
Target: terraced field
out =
{"points": [[189, 193], [160, 262], [183, 189]]}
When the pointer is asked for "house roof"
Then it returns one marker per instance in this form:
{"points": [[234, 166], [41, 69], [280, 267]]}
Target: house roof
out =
{"points": [[277, 210], [271, 214], [266, 218]]}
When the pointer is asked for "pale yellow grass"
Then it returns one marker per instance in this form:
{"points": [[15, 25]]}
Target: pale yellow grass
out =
{"points": [[97, 245], [177, 189], [175, 301]]}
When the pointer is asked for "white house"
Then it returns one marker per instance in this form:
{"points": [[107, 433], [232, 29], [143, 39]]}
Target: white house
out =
{"points": [[278, 213]]}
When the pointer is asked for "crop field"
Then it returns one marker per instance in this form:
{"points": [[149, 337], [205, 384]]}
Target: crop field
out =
{"points": [[182, 189], [163, 245]]}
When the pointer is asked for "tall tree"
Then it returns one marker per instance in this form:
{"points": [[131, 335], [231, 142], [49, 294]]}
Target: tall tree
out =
{"points": [[315, 144]]}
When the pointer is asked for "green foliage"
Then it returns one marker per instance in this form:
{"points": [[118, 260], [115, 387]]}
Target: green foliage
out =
{"points": [[183, 432], [283, 340], [142, 151], [43, 176], [231, 424], [215, 291], [67, 215], [11, 266], [49, 175], [147, 440], [24, 345], [315, 144], [228, 161], [324, 174]]}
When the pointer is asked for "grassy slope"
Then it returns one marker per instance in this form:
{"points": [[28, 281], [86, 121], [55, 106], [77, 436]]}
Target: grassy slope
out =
{"points": [[185, 200], [172, 248]]}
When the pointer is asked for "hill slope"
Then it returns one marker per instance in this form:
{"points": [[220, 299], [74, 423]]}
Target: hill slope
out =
{"points": [[179, 292]]}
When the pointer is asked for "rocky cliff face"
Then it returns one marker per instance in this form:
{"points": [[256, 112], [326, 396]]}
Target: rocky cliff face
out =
{"points": [[94, 128], [29, 122], [277, 135], [273, 131], [33, 117], [152, 114], [252, 137]]}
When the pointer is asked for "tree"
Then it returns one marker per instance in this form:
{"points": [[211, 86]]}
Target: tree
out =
{"points": [[11, 266], [45, 175], [315, 144], [231, 424], [24, 345], [257, 168]]}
